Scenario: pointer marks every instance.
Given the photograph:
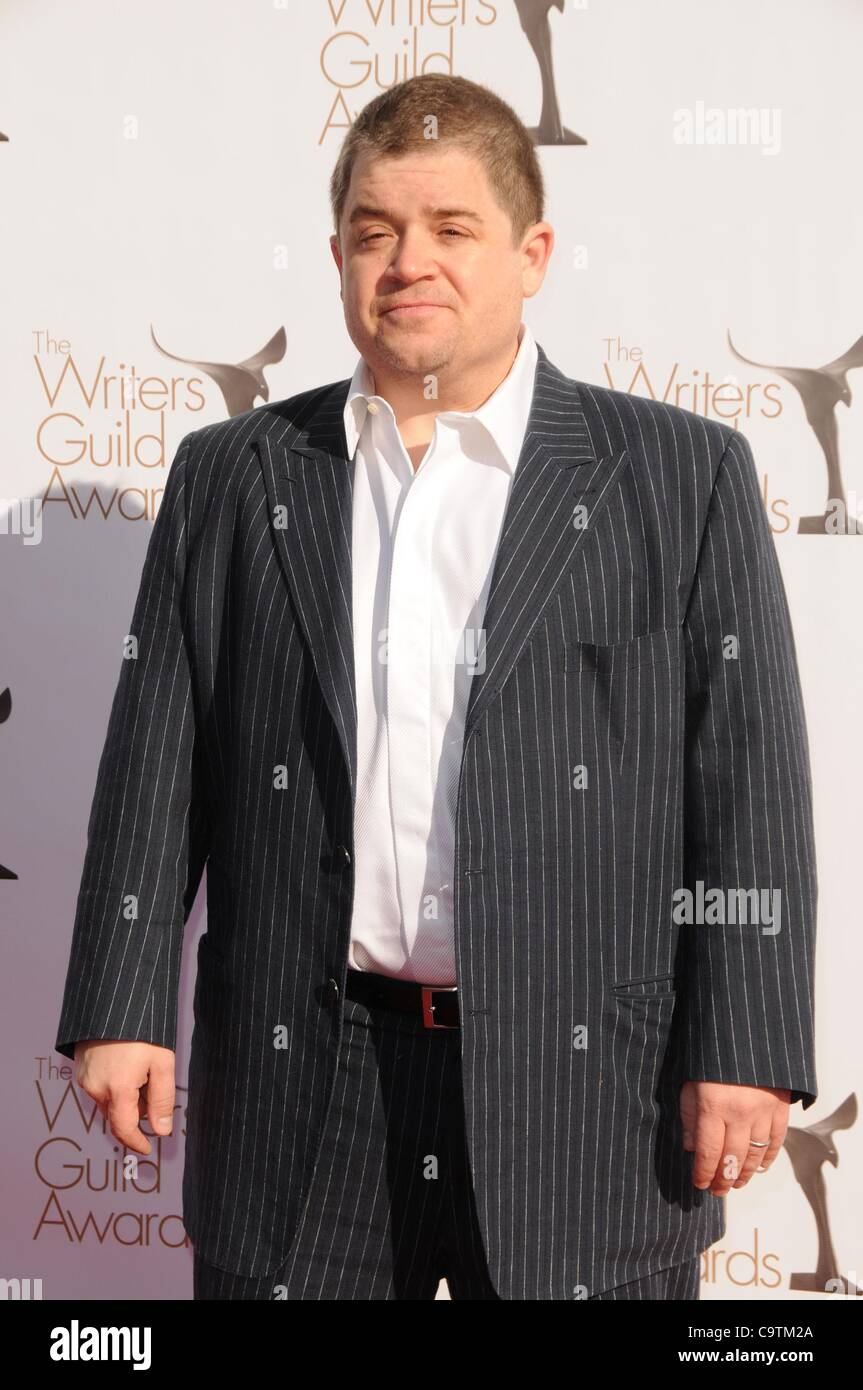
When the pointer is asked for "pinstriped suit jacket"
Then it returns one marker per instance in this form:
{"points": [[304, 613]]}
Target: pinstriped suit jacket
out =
{"points": [[615, 751]]}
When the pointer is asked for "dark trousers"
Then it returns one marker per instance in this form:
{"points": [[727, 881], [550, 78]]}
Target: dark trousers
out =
{"points": [[391, 1208]]}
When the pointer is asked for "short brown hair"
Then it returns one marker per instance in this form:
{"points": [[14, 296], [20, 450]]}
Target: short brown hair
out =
{"points": [[468, 115]]}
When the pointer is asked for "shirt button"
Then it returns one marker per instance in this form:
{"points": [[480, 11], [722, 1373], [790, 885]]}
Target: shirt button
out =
{"points": [[373, 407]]}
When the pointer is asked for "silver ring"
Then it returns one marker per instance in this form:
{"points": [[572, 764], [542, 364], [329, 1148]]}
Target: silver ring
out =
{"points": [[754, 1144]]}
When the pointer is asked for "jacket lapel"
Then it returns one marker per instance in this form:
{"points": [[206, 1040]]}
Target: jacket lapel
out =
{"points": [[559, 490], [309, 484], [561, 486]]}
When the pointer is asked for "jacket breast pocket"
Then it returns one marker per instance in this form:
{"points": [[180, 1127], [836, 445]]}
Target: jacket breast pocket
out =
{"points": [[610, 657], [628, 696]]}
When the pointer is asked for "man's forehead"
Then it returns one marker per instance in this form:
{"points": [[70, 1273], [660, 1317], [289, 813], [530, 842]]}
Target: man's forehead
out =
{"points": [[447, 166]]}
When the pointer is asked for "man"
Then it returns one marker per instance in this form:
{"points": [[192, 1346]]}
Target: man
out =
{"points": [[474, 688]]}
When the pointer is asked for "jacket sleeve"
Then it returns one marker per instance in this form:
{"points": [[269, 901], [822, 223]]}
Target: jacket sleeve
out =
{"points": [[749, 987], [147, 832]]}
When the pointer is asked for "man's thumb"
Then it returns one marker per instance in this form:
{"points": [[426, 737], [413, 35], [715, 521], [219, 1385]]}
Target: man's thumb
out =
{"points": [[160, 1099]]}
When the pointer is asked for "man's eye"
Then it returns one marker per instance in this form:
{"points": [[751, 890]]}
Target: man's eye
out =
{"points": [[373, 236]]}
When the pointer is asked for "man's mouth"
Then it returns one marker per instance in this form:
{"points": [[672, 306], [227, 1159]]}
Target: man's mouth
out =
{"points": [[410, 310]]}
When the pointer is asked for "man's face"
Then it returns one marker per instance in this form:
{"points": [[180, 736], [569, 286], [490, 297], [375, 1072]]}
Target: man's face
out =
{"points": [[424, 230]]}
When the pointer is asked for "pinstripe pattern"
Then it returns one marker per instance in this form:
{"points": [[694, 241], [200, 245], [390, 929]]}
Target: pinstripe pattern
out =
{"points": [[679, 1282], [604, 651], [375, 1225]]}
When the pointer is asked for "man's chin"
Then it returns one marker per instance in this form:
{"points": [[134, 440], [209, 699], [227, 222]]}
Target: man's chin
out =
{"points": [[407, 353]]}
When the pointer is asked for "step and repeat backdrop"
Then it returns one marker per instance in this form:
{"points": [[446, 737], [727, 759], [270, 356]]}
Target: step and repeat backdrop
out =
{"points": [[165, 224]]}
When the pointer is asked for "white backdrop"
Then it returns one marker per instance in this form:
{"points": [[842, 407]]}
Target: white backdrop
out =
{"points": [[168, 167]]}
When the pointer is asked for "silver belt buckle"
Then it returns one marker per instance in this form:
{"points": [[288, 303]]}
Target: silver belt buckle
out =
{"points": [[428, 1006]]}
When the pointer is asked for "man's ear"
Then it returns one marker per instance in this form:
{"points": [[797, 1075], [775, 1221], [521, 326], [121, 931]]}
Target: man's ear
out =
{"points": [[337, 257]]}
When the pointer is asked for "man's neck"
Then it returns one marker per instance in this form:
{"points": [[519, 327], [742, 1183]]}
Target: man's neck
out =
{"points": [[415, 414]]}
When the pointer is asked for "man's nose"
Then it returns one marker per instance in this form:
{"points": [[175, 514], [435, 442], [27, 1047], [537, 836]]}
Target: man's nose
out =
{"points": [[412, 255]]}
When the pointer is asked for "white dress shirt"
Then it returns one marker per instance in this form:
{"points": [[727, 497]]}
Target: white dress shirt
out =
{"points": [[423, 548]]}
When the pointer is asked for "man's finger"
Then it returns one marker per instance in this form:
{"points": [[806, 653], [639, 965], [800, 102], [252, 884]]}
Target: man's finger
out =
{"points": [[778, 1131], [123, 1120], [708, 1137], [754, 1156], [734, 1155], [160, 1096]]}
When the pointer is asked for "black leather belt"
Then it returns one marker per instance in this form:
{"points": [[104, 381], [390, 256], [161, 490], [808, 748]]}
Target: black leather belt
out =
{"points": [[436, 1005]]}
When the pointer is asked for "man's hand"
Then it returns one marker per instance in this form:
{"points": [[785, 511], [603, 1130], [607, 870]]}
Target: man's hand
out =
{"points": [[128, 1080], [720, 1122]]}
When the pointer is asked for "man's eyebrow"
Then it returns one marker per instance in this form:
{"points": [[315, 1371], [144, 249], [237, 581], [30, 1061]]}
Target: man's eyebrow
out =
{"points": [[366, 210]]}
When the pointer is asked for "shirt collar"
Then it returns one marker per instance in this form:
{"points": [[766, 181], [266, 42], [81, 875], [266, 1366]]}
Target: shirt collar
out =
{"points": [[504, 414]]}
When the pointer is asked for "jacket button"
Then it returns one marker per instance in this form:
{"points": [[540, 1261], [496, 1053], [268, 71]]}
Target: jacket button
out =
{"points": [[332, 991], [343, 855]]}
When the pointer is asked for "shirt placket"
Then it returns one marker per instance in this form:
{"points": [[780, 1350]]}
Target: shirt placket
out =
{"points": [[409, 689]]}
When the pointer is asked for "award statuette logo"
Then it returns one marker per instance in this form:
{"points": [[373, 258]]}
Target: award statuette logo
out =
{"points": [[809, 1149], [533, 16], [242, 382], [821, 389]]}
